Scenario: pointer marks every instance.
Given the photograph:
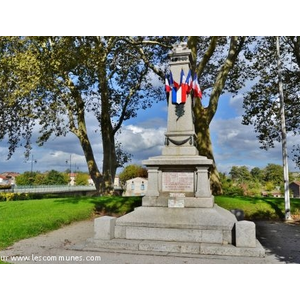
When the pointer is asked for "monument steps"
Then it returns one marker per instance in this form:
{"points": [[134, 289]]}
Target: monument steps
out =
{"points": [[157, 247]]}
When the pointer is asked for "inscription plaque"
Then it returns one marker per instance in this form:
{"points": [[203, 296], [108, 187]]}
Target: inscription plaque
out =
{"points": [[179, 203], [178, 181], [176, 200]]}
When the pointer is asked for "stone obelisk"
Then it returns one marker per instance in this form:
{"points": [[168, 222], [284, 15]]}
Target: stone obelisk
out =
{"points": [[178, 213], [179, 171]]}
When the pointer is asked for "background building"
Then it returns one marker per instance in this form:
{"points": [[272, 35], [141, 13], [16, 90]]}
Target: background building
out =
{"points": [[295, 189], [136, 187]]}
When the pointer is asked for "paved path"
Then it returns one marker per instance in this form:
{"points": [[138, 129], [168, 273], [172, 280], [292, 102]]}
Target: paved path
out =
{"points": [[281, 241]]}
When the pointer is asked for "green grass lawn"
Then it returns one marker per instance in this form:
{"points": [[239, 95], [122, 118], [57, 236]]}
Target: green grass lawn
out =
{"points": [[259, 208], [24, 219]]}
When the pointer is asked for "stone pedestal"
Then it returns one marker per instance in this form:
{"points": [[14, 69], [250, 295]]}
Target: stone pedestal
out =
{"points": [[178, 213]]}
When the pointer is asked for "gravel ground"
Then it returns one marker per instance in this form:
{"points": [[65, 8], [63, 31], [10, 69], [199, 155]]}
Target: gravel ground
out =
{"points": [[281, 241]]}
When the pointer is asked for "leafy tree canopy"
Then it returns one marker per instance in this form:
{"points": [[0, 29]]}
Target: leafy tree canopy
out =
{"points": [[81, 179], [55, 82], [132, 171], [52, 177], [261, 103]]}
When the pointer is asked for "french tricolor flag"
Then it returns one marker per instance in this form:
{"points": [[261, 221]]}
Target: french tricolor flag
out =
{"points": [[196, 87], [167, 85], [180, 91], [175, 89], [189, 82]]}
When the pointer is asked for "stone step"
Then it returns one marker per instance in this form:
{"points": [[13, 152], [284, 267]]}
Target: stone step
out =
{"points": [[174, 234], [152, 247], [189, 218]]}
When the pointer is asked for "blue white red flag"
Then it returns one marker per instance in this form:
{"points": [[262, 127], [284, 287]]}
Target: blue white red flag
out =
{"points": [[180, 96], [167, 85], [182, 77], [172, 82], [196, 87], [189, 82], [179, 91], [175, 87]]}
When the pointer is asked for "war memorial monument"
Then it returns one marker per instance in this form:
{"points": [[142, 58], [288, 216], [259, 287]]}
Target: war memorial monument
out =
{"points": [[178, 213]]}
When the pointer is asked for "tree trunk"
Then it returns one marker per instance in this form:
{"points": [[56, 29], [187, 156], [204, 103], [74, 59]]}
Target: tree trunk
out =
{"points": [[109, 158], [88, 150], [91, 162], [204, 146], [81, 132], [108, 136]]}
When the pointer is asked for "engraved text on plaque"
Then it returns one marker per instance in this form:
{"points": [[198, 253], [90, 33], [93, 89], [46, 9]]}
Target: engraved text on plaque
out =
{"points": [[178, 181]]}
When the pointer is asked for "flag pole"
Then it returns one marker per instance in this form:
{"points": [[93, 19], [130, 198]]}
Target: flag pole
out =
{"points": [[283, 138]]}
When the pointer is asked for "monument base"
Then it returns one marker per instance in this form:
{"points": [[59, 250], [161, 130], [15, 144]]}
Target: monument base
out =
{"points": [[207, 231], [178, 215]]}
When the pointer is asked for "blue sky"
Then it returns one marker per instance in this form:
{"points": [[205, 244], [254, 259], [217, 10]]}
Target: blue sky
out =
{"points": [[234, 144]]}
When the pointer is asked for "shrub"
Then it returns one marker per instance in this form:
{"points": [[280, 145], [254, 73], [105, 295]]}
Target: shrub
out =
{"points": [[14, 196], [233, 190], [9, 196]]}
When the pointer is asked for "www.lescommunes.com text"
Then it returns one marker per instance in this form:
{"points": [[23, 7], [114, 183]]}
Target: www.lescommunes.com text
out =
{"points": [[51, 258]]}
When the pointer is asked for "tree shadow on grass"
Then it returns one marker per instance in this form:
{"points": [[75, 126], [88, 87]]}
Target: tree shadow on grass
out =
{"points": [[119, 207], [274, 213], [276, 206], [109, 206]]}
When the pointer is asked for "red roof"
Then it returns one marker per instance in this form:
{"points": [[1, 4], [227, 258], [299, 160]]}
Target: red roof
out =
{"points": [[14, 174], [296, 182]]}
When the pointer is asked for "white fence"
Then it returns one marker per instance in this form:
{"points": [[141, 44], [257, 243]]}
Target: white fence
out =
{"points": [[48, 189]]}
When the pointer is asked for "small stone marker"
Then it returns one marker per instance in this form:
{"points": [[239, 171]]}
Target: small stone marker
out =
{"points": [[245, 234], [104, 228]]}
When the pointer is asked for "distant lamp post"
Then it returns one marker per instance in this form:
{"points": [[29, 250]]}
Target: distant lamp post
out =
{"points": [[76, 168], [70, 161], [33, 161]]}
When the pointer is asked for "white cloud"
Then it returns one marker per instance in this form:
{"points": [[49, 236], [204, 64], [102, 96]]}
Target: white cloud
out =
{"points": [[140, 140], [237, 145], [134, 129]]}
